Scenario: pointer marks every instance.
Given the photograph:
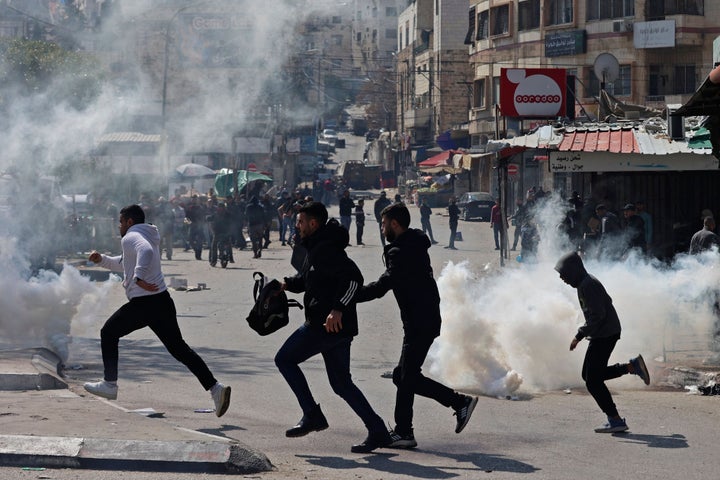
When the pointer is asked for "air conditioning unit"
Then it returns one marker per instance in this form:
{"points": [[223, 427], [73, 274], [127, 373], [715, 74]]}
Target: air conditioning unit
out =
{"points": [[623, 26]]}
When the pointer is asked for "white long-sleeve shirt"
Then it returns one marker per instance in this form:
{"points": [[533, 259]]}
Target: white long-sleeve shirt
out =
{"points": [[140, 259]]}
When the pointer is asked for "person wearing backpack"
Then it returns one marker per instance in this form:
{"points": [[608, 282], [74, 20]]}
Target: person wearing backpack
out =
{"points": [[329, 280]]}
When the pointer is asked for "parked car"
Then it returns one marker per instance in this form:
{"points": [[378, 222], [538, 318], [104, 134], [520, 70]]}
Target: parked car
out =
{"points": [[329, 135], [475, 205]]}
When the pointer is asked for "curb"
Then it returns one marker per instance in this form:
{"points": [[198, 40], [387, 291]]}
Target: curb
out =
{"points": [[107, 454], [44, 376]]}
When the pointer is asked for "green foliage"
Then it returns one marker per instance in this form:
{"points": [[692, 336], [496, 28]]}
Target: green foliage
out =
{"points": [[31, 67]]}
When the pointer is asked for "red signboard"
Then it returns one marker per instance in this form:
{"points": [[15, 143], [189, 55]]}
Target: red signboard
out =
{"points": [[532, 92], [512, 169]]}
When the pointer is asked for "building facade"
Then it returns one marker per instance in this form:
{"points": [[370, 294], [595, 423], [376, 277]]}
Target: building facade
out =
{"points": [[663, 50]]}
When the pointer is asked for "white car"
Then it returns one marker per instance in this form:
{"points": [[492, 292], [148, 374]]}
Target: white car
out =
{"points": [[329, 135]]}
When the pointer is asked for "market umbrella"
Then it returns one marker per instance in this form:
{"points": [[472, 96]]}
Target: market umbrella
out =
{"points": [[195, 170], [224, 181]]}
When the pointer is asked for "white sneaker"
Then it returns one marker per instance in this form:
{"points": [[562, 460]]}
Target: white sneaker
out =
{"points": [[221, 396], [103, 389]]}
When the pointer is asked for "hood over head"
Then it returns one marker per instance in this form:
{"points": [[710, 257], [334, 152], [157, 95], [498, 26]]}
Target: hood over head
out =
{"points": [[330, 235], [571, 268]]}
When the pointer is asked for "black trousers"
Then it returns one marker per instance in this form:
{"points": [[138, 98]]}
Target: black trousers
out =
{"points": [[157, 312], [595, 371], [408, 378]]}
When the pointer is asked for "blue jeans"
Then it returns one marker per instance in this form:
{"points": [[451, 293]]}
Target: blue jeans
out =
{"points": [[286, 228], [307, 342], [345, 221]]}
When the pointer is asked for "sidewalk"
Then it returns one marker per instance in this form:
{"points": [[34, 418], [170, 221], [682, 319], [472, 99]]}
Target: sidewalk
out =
{"points": [[45, 424]]}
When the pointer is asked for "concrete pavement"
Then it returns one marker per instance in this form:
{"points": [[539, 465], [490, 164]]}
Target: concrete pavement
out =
{"points": [[46, 423]]}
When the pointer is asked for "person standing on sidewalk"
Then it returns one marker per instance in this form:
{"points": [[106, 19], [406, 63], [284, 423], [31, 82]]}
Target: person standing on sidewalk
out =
{"points": [[425, 214], [602, 328], [149, 305], [409, 275], [380, 204], [330, 280]]}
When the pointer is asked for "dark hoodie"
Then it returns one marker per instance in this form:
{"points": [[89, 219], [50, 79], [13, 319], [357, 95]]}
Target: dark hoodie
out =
{"points": [[409, 275], [329, 278], [601, 319]]}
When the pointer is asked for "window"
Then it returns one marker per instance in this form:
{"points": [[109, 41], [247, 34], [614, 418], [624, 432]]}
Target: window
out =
{"points": [[529, 15], [391, 12], [500, 17], [496, 91], [657, 9], [337, 39], [604, 9], [336, 19], [479, 93], [684, 80], [390, 33], [482, 25], [471, 28], [622, 86], [558, 12]]}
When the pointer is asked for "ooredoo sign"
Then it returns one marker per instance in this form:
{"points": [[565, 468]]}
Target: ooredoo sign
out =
{"points": [[532, 92]]}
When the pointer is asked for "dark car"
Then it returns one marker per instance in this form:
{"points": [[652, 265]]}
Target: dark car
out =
{"points": [[475, 205]]}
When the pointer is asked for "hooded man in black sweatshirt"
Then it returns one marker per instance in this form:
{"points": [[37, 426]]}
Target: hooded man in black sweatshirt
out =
{"points": [[330, 280], [409, 275], [602, 329]]}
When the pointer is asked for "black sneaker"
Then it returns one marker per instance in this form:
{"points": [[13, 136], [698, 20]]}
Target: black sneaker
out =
{"points": [[640, 369], [398, 440], [463, 413]]}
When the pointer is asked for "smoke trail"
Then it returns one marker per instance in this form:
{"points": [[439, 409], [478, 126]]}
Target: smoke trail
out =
{"points": [[511, 330], [44, 133]]}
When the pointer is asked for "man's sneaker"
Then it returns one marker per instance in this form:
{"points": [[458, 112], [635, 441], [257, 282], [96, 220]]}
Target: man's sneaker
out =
{"points": [[463, 413], [221, 396], [640, 369], [613, 426], [374, 440], [398, 440], [102, 389]]}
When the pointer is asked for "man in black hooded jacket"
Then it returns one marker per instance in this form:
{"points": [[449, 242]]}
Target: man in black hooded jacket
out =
{"points": [[330, 280], [409, 275], [602, 328]]}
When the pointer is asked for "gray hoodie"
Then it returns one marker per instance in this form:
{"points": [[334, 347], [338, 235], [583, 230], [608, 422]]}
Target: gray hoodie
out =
{"points": [[601, 319], [140, 259]]}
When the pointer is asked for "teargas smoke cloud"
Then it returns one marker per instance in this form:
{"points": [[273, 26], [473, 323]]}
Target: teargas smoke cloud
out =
{"points": [[509, 332], [45, 135]]}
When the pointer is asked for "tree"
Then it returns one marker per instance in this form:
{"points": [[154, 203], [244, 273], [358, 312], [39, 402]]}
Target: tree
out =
{"points": [[32, 67]]}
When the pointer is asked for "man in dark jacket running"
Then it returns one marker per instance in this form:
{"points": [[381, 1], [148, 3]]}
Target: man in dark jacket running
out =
{"points": [[330, 281], [602, 328], [409, 275]]}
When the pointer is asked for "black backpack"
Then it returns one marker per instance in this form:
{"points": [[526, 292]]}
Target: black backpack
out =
{"points": [[271, 310]]}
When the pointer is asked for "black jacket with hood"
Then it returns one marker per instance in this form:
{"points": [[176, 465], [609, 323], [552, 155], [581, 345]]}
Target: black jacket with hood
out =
{"points": [[601, 319], [329, 278], [409, 275]]}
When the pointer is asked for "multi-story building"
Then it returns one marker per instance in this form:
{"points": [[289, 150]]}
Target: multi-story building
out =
{"points": [[433, 75], [663, 49], [375, 24]]}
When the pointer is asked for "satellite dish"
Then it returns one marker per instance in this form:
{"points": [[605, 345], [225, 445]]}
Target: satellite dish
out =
{"points": [[606, 67]]}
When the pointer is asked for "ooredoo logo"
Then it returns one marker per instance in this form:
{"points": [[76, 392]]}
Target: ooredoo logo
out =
{"points": [[532, 93]]}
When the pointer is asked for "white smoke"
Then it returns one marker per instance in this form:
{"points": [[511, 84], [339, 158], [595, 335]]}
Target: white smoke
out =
{"points": [[510, 330], [44, 133]]}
